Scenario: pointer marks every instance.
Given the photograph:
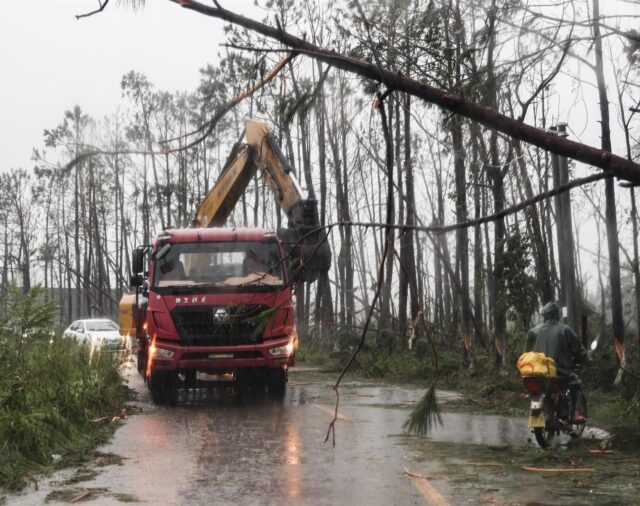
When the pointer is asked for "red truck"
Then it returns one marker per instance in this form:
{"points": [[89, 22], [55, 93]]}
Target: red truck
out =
{"points": [[218, 300]]}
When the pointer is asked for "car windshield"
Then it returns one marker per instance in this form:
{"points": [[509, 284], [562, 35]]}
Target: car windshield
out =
{"points": [[101, 326], [221, 265]]}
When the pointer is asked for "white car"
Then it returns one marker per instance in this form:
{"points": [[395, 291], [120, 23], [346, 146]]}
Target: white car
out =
{"points": [[97, 333]]}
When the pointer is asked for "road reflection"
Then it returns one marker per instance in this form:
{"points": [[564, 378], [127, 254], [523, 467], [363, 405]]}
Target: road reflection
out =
{"points": [[292, 458]]}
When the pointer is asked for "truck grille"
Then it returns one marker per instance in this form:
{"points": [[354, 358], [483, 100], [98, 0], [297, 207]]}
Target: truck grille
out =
{"points": [[221, 325]]}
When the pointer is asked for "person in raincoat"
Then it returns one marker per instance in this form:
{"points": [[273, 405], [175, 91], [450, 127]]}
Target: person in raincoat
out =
{"points": [[561, 343]]}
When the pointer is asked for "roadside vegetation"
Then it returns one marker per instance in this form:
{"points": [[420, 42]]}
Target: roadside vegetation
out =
{"points": [[56, 398]]}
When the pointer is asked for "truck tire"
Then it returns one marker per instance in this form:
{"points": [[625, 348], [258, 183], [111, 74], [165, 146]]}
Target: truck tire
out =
{"points": [[277, 382], [163, 386]]}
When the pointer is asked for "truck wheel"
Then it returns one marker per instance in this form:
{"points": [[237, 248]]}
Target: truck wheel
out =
{"points": [[277, 383], [163, 386], [142, 360]]}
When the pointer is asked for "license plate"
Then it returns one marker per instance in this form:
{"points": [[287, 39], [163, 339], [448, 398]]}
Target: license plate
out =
{"points": [[220, 355], [536, 421]]}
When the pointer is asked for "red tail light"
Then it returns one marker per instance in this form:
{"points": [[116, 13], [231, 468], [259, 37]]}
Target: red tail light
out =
{"points": [[534, 385]]}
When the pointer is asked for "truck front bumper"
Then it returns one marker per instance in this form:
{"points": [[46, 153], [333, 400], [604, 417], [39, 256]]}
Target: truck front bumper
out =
{"points": [[168, 356]]}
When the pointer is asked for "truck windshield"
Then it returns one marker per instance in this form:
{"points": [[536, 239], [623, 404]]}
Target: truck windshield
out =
{"points": [[221, 265]]}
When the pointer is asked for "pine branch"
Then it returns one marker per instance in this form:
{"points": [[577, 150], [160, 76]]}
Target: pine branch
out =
{"points": [[425, 415]]}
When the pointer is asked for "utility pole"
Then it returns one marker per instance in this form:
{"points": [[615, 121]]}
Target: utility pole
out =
{"points": [[564, 229]]}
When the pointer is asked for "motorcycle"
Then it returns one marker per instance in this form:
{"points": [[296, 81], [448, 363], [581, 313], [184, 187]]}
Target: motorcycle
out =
{"points": [[551, 408]]}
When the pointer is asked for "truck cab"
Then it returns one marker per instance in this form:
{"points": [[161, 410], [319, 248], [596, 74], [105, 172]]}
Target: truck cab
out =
{"points": [[217, 301]]}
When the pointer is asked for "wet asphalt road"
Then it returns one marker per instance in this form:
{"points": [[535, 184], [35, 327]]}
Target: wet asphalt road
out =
{"points": [[211, 449]]}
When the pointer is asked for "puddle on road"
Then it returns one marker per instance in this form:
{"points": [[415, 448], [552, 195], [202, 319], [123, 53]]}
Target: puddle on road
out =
{"points": [[490, 430], [456, 427], [390, 405]]}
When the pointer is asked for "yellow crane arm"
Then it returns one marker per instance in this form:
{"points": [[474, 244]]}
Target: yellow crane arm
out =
{"points": [[274, 167], [216, 207], [303, 239], [261, 152]]}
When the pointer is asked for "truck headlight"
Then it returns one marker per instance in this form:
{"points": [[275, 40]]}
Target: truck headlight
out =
{"points": [[287, 349], [162, 353]]}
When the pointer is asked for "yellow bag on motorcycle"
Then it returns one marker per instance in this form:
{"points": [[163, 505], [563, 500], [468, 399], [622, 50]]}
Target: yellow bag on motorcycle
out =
{"points": [[532, 363]]}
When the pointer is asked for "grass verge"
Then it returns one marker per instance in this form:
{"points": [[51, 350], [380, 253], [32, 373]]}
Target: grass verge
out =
{"points": [[54, 405], [56, 398]]}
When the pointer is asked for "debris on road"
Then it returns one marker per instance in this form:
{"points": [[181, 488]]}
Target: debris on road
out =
{"points": [[559, 469], [484, 464]]}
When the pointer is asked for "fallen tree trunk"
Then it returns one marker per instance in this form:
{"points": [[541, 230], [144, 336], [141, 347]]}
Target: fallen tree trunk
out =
{"points": [[621, 167]]}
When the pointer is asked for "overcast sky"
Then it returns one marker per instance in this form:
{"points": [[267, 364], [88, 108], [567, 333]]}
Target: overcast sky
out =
{"points": [[49, 61]]}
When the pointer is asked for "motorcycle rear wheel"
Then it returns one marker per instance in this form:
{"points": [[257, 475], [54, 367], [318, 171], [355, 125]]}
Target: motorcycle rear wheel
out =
{"points": [[544, 436]]}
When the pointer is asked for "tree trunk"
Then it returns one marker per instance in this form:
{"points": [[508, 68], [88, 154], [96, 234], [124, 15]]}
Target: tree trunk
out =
{"points": [[409, 260], [478, 264], [403, 283], [612, 221], [462, 238], [385, 313]]}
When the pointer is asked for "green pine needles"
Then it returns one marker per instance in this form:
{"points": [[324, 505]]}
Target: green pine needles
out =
{"points": [[425, 415]]}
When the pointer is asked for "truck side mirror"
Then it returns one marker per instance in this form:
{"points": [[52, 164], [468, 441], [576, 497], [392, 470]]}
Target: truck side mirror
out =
{"points": [[137, 266], [137, 261]]}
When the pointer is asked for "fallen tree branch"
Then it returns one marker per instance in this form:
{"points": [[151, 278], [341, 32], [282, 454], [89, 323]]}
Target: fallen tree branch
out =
{"points": [[97, 11], [81, 496], [620, 167], [440, 229], [559, 469], [415, 475], [208, 127], [211, 124]]}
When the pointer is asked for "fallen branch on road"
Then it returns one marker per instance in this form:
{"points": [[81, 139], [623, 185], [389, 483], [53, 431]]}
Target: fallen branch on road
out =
{"points": [[408, 473], [83, 495], [484, 464], [559, 469]]}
